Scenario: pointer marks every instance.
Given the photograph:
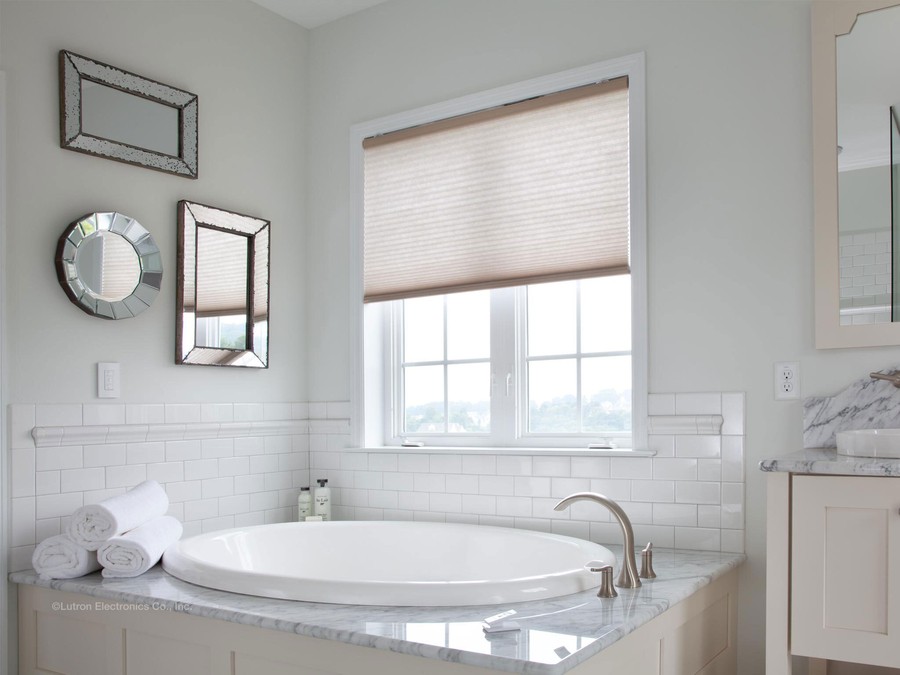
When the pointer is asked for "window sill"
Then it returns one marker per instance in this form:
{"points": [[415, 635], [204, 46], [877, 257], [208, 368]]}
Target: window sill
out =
{"points": [[468, 450]]}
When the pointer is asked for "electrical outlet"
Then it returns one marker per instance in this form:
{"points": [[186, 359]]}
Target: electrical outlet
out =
{"points": [[787, 380]]}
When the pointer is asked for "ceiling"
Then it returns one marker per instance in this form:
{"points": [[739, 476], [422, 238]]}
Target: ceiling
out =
{"points": [[314, 13]]}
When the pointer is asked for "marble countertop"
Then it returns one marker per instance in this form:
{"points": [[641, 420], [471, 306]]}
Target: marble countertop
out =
{"points": [[556, 634], [826, 461]]}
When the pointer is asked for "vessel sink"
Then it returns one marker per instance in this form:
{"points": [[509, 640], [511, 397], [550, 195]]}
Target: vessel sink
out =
{"points": [[869, 443]]}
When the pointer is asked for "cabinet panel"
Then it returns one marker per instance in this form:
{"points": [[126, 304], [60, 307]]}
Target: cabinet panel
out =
{"points": [[845, 571]]}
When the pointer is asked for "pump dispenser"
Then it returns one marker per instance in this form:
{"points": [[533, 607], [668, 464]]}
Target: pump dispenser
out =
{"points": [[322, 499], [304, 504]]}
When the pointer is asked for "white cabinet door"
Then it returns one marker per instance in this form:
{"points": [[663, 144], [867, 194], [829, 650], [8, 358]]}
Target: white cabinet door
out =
{"points": [[845, 569]]}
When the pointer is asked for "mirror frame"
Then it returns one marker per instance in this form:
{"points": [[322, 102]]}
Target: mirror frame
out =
{"points": [[149, 258], [831, 19], [258, 231], [73, 69]]}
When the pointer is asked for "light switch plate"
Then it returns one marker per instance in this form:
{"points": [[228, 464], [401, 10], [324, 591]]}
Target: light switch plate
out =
{"points": [[108, 381]]}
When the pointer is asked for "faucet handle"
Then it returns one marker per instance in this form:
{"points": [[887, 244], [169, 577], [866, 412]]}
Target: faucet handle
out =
{"points": [[607, 590], [647, 562]]}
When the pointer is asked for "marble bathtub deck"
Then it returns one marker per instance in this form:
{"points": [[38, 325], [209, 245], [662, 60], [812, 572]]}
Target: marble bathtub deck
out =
{"points": [[556, 634], [826, 461]]}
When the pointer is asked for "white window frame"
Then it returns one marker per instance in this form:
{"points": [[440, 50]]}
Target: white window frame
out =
{"points": [[371, 389]]}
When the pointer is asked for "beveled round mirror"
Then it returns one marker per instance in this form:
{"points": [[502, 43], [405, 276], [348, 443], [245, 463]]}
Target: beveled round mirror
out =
{"points": [[109, 265]]}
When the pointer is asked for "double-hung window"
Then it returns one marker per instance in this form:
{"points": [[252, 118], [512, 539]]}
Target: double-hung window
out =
{"points": [[500, 260]]}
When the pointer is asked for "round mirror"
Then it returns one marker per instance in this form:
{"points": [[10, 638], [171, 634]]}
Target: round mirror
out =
{"points": [[109, 265]]}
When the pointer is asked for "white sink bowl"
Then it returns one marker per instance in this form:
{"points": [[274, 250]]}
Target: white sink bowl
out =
{"points": [[883, 443], [388, 563]]}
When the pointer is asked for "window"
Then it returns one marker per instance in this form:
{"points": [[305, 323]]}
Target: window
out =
{"points": [[515, 313]]}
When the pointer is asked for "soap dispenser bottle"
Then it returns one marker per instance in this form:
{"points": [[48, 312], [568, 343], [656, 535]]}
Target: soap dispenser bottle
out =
{"points": [[322, 499], [304, 504]]}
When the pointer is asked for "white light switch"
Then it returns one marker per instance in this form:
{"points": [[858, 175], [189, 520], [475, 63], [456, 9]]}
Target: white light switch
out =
{"points": [[108, 384]]}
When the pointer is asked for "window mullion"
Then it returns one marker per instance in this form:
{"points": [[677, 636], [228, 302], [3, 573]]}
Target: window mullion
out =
{"points": [[503, 396]]}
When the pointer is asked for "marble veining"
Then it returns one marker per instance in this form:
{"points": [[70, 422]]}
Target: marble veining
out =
{"points": [[865, 404], [557, 634], [827, 461]]}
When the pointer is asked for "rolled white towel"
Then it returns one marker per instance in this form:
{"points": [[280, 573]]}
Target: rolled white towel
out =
{"points": [[59, 557], [137, 551], [93, 524]]}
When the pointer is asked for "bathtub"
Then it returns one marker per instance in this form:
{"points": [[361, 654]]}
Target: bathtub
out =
{"points": [[388, 563]]}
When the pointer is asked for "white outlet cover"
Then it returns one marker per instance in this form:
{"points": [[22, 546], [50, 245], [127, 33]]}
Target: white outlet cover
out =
{"points": [[787, 380]]}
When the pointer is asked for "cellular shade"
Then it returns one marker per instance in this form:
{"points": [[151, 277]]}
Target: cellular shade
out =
{"points": [[533, 191], [221, 273]]}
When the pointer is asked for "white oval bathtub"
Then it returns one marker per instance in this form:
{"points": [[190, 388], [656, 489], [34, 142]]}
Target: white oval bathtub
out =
{"points": [[388, 563]]}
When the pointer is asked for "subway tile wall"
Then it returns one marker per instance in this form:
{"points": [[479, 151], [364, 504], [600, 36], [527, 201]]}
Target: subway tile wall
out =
{"points": [[865, 264], [222, 465], [689, 495], [230, 465]]}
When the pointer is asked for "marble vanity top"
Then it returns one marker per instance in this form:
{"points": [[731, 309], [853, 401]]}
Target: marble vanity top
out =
{"points": [[556, 634], [826, 461]]}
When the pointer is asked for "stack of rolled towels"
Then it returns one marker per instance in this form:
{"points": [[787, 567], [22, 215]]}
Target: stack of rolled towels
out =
{"points": [[126, 535]]}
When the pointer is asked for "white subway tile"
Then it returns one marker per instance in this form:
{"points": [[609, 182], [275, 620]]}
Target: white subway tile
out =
{"points": [[337, 410], [463, 518], [587, 510], [125, 476], [733, 458], [571, 528], [249, 445], [58, 415], [563, 487], [545, 508], [249, 519], [675, 514], [496, 521], [368, 480], [481, 504], [200, 469], [166, 472], [22, 477], [399, 481], [145, 413], [184, 491], [192, 529], [21, 422], [709, 469], [250, 484], [217, 487], [337, 442], [277, 481], [620, 490], [697, 492], [104, 455], [291, 461], [223, 523], [412, 463], [445, 464], [235, 466], [354, 461], [698, 446], [300, 443], [671, 468], [103, 414], [145, 453], [514, 506], [697, 538], [369, 514], [318, 410], [65, 457], [494, 485], [54, 506], [20, 558], [79, 480], [277, 445], [532, 486], [300, 411], [352, 497], [229, 506], [46, 482], [216, 412], [479, 464], [698, 404], [23, 517], [429, 517], [263, 501], [183, 413], [709, 515], [514, 465], [318, 442], [382, 461], [200, 509], [463, 484], [383, 499], [325, 460], [216, 447], [179, 451], [551, 466], [653, 491], [277, 411], [46, 527], [631, 467], [97, 496], [263, 463], [733, 412], [413, 501], [662, 536], [535, 524], [249, 412], [430, 482], [661, 404], [590, 467], [638, 512], [662, 445], [732, 541]]}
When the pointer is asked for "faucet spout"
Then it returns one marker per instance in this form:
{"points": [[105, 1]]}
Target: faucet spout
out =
{"points": [[628, 575]]}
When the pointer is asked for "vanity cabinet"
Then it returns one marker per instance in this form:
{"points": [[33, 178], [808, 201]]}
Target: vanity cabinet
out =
{"points": [[833, 570]]}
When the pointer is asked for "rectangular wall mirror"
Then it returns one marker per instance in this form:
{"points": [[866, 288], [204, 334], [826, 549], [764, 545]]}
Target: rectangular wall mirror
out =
{"points": [[222, 288], [111, 113]]}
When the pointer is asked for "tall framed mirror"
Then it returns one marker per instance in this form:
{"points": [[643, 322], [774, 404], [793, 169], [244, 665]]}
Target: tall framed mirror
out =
{"points": [[222, 288], [111, 113], [856, 150]]}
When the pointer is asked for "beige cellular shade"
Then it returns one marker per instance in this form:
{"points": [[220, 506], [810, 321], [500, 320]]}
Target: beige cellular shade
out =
{"points": [[221, 273], [532, 191]]}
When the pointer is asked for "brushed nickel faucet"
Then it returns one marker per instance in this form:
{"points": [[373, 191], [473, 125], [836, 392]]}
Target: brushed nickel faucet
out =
{"points": [[893, 378], [628, 575]]}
